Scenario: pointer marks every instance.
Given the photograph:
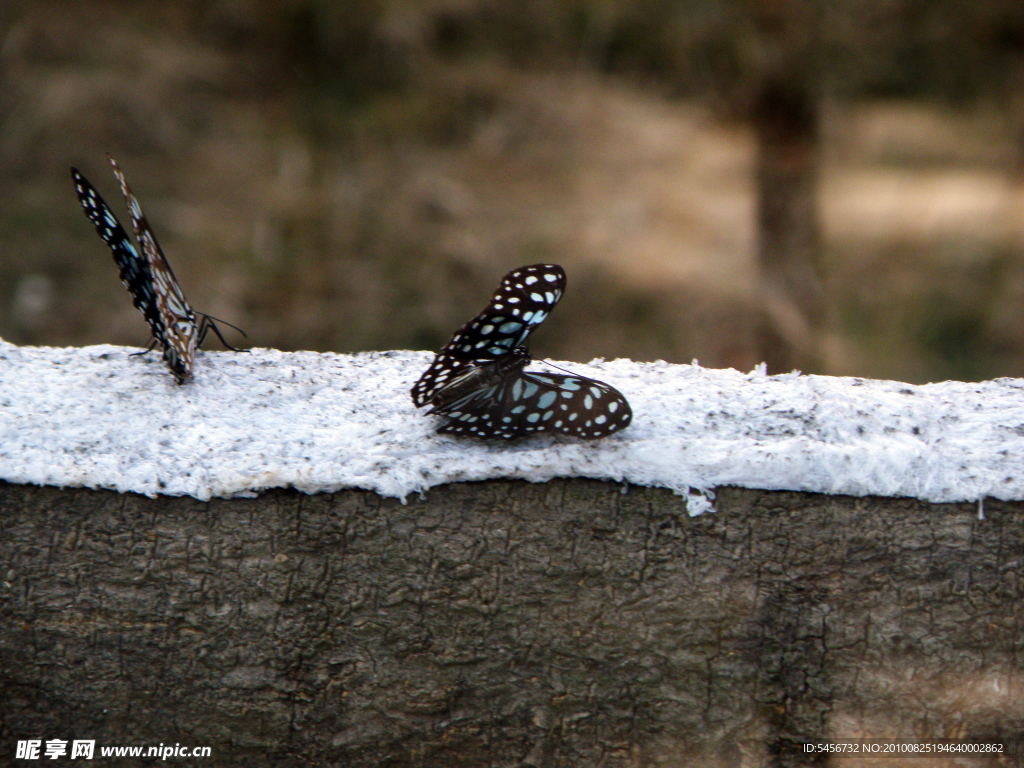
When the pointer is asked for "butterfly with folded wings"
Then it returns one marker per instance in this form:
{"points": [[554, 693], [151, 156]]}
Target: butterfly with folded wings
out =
{"points": [[478, 382], [177, 329]]}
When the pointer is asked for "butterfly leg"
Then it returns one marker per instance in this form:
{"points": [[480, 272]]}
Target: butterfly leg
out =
{"points": [[207, 323], [146, 351]]}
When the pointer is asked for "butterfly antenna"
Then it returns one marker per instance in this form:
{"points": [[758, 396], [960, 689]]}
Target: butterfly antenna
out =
{"points": [[547, 362], [229, 325]]}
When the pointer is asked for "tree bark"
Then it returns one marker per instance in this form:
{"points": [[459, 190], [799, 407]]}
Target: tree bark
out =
{"points": [[570, 623]]}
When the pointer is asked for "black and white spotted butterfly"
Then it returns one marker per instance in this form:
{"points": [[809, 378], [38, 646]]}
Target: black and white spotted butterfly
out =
{"points": [[149, 279], [478, 382]]}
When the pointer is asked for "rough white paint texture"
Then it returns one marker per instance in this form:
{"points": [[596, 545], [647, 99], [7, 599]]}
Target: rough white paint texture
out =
{"points": [[96, 417]]}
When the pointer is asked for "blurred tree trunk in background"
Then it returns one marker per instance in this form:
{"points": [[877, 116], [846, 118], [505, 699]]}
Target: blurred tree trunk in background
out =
{"points": [[1014, 105], [785, 116]]}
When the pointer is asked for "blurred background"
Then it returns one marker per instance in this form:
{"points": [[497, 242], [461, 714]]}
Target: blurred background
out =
{"points": [[829, 185]]}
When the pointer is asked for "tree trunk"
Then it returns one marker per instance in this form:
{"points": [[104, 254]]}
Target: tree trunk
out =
{"points": [[786, 120]]}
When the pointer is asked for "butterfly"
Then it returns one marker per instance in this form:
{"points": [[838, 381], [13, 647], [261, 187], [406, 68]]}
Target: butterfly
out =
{"points": [[149, 279], [478, 382]]}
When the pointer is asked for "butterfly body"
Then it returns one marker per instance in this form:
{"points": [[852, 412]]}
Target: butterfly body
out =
{"points": [[177, 329], [479, 377], [478, 382]]}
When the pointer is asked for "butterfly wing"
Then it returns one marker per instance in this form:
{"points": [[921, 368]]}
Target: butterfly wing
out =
{"points": [[135, 273], [530, 402], [179, 320], [523, 301], [444, 370]]}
